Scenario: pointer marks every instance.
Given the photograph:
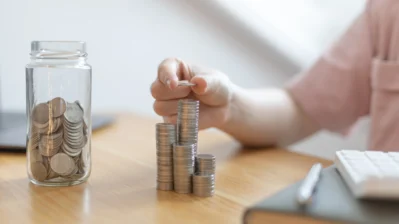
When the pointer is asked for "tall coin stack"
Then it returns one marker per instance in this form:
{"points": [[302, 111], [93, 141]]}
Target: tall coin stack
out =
{"points": [[204, 177], [166, 138], [187, 122], [183, 167], [57, 137]]}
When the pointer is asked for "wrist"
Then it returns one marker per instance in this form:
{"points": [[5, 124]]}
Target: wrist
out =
{"points": [[232, 108]]}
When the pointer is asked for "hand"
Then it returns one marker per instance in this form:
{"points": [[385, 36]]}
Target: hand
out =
{"points": [[213, 89]]}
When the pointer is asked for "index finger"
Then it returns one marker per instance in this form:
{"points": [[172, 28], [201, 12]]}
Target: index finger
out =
{"points": [[171, 70]]}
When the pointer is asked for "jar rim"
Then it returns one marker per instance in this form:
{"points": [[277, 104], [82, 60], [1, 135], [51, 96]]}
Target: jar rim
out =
{"points": [[58, 49]]}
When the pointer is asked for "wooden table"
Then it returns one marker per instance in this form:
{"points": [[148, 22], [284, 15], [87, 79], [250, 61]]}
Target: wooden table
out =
{"points": [[122, 186]]}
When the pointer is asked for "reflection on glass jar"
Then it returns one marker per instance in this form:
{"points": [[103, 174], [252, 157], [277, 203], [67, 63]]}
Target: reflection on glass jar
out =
{"points": [[58, 93]]}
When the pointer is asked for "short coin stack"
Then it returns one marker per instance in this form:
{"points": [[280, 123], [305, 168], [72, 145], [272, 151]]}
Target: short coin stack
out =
{"points": [[204, 177], [187, 122], [183, 167], [205, 164], [166, 137], [57, 137]]}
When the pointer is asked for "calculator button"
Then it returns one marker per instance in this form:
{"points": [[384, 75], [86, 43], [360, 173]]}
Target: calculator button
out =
{"points": [[374, 154], [394, 154]]}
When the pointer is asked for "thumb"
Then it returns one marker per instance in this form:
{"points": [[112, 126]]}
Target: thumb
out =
{"points": [[212, 89]]}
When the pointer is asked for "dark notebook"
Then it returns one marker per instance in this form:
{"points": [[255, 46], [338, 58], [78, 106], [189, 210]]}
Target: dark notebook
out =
{"points": [[332, 201]]}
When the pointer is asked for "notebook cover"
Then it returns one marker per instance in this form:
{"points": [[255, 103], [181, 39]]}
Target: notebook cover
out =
{"points": [[332, 201]]}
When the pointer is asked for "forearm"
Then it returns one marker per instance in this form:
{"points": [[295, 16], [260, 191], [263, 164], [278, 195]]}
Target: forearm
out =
{"points": [[266, 117]]}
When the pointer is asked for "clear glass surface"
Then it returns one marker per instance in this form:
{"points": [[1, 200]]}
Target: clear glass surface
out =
{"points": [[58, 97]]}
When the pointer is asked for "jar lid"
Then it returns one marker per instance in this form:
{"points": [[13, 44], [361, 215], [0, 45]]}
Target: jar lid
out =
{"points": [[58, 49]]}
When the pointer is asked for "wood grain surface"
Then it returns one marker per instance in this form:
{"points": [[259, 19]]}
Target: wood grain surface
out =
{"points": [[122, 185]]}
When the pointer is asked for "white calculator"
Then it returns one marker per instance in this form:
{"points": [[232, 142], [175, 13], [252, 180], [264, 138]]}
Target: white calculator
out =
{"points": [[370, 174]]}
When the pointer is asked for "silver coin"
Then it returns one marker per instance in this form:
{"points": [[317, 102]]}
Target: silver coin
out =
{"points": [[57, 106], [41, 128], [33, 143], [168, 158], [183, 183], [73, 113], [74, 127], [51, 174], [62, 164], [164, 143], [74, 139], [164, 186], [164, 157], [38, 171], [165, 173], [165, 152], [53, 136], [203, 182], [188, 101], [165, 135], [71, 153], [182, 173], [79, 104], [165, 178], [48, 150], [165, 168], [40, 113], [35, 156], [185, 83]]}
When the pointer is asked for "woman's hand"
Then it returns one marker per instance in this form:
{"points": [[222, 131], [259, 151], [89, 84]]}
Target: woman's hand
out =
{"points": [[212, 88]]}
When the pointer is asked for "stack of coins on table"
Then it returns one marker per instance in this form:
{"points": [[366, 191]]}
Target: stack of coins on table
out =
{"points": [[58, 135], [205, 164], [192, 173], [204, 176], [187, 122], [183, 167], [165, 137]]}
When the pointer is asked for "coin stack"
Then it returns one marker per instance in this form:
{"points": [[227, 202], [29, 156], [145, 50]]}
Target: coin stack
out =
{"points": [[192, 173], [187, 122], [204, 185], [165, 137], [204, 177], [58, 134], [205, 164], [183, 167]]}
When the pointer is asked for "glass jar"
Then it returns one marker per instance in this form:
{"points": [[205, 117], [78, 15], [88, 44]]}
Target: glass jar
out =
{"points": [[58, 98]]}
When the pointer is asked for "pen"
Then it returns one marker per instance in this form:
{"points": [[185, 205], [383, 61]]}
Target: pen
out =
{"points": [[308, 186]]}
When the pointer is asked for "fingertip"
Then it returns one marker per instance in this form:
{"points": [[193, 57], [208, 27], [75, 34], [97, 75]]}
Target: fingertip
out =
{"points": [[172, 83], [200, 85]]}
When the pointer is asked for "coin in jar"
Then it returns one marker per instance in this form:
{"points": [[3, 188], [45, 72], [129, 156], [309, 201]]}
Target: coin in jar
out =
{"points": [[73, 113], [38, 170], [62, 164], [58, 106], [40, 113]]}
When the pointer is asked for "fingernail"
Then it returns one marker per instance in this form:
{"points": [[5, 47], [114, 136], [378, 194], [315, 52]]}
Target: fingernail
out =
{"points": [[168, 84]]}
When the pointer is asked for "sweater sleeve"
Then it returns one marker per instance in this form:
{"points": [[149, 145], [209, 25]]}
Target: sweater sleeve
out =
{"points": [[335, 90]]}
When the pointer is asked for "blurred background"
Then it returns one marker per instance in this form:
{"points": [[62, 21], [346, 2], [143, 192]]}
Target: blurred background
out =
{"points": [[258, 43]]}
